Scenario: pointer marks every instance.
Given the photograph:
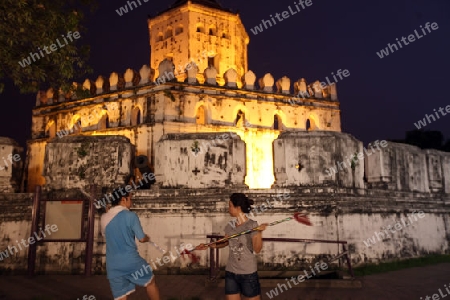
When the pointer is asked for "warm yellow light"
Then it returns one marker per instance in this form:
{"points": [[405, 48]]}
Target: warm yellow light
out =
{"points": [[49, 124], [104, 133], [259, 156], [74, 120]]}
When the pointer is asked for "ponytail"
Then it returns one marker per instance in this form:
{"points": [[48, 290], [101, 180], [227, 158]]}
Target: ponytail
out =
{"points": [[239, 199]]}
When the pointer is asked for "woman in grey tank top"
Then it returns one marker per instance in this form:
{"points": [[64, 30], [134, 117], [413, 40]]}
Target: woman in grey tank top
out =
{"points": [[241, 275]]}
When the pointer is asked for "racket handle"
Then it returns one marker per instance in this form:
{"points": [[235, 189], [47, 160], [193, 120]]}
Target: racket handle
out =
{"points": [[280, 221], [248, 231], [219, 241]]}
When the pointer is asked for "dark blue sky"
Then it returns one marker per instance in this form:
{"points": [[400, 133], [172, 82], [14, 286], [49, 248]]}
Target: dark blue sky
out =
{"points": [[381, 99]]}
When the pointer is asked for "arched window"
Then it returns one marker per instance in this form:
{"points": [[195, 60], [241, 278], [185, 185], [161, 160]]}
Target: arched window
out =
{"points": [[104, 122], [179, 30], [50, 130], [212, 30], [200, 28], [214, 61], [76, 128], [169, 32], [200, 118], [160, 37], [240, 119], [277, 122], [136, 116], [310, 125], [224, 35], [210, 61]]}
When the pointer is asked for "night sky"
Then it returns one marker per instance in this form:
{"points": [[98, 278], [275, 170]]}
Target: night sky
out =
{"points": [[381, 99]]}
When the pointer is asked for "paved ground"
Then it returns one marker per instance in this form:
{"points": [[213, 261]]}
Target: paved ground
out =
{"points": [[404, 284]]}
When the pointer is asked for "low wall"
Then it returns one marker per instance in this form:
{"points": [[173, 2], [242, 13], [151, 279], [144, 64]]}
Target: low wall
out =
{"points": [[174, 218]]}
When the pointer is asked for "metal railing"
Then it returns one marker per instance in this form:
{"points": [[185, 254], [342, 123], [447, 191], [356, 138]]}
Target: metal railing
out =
{"points": [[214, 268]]}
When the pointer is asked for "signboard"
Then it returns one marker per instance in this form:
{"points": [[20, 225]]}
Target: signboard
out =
{"points": [[68, 216]]}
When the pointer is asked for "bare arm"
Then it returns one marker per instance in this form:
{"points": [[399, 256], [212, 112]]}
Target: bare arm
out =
{"points": [[257, 239], [220, 245]]}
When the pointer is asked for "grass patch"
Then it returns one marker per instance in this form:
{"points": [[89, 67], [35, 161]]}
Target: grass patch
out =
{"points": [[369, 269]]}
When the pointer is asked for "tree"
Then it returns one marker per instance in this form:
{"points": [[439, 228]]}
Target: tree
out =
{"points": [[39, 47], [425, 139], [446, 146]]}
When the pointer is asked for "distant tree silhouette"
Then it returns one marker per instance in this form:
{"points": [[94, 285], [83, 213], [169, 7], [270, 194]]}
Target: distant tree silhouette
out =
{"points": [[446, 146], [425, 140]]}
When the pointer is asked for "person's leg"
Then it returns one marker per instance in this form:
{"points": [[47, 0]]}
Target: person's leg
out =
{"points": [[251, 288], [253, 298], [147, 280], [152, 290], [232, 289], [121, 287]]}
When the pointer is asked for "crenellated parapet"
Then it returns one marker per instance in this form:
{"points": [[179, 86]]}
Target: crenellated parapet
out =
{"points": [[144, 105], [408, 168], [145, 77], [337, 159]]}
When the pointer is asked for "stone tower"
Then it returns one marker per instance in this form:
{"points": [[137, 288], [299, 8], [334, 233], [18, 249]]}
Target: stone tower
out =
{"points": [[201, 31], [215, 122], [219, 129]]}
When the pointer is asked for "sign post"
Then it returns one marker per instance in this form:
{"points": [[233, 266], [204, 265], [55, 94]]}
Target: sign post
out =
{"points": [[75, 220], [90, 234], [34, 227]]}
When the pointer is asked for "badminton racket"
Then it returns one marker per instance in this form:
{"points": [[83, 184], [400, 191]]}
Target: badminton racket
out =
{"points": [[299, 217]]}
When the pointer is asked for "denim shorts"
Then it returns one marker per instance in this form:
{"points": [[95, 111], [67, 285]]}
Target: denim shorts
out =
{"points": [[245, 284]]}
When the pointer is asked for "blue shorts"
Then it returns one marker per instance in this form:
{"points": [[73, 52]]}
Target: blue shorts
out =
{"points": [[245, 284], [126, 284]]}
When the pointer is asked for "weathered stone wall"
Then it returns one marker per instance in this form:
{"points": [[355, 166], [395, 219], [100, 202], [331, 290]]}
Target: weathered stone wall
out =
{"points": [[438, 166], [408, 168], [173, 217], [200, 160], [51, 257], [143, 112], [15, 224], [34, 165], [79, 161], [159, 114], [306, 158], [11, 166]]}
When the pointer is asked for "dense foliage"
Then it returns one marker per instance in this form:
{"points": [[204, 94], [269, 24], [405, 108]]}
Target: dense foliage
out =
{"points": [[27, 26]]}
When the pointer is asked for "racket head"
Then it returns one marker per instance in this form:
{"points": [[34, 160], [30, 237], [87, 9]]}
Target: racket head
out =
{"points": [[302, 218], [194, 258]]}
